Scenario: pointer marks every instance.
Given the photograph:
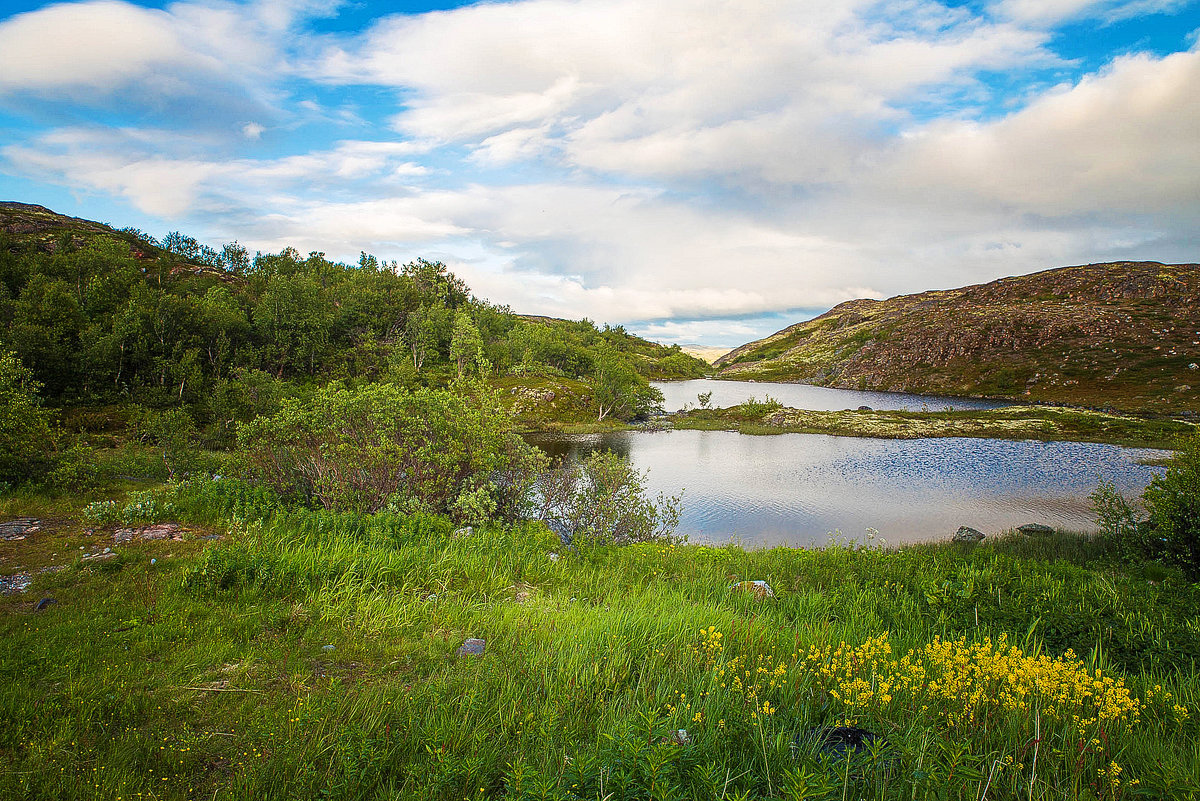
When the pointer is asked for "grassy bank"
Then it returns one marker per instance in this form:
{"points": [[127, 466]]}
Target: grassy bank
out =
{"points": [[308, 654], [1013, 422]]}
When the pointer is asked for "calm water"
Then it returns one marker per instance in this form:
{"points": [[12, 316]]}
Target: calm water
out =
{"points": [[797, 489], [806, 396]]}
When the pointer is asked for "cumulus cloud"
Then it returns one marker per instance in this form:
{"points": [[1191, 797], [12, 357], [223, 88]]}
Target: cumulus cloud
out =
{"points": [[671, 162]]}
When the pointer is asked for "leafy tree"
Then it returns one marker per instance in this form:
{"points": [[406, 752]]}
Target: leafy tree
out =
{"points": [[466, 347], [602, 499], [1173, 500], [618, 389], [27, 432]]}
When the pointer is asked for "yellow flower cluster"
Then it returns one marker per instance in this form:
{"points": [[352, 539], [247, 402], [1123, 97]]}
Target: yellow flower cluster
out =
{"points": [[965, 684]]}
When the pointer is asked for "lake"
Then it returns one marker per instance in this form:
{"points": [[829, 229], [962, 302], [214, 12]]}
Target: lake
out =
{"points": [[803, 489], [806, 396]]}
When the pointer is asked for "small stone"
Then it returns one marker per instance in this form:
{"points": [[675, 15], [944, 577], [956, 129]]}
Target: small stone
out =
{"points": [[968, 534], [758, 587], [678, 737], [1194, 366], [554, 557], [864, 408], [154, 561], [44, 603], [465, 531], [326, 647], [472, 647], [1035, 528]]}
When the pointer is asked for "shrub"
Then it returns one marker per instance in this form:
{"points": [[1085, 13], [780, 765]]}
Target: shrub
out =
{"points": [[76, 470], [384, 446], [602, 499], [174, 435], [1173, 501], [27, 432]]}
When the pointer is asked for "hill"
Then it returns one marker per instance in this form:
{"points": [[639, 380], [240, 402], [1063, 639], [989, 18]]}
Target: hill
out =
{"points": [[1121, 335], [101, 316]]}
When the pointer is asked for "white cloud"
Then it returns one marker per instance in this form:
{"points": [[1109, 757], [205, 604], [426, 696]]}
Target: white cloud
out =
{"points": [[1123, 140], [252, 130]]}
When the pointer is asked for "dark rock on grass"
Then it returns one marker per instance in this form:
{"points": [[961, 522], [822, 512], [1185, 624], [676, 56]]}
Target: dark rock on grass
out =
{"points": [[968, 534], [840, 742], [1036, 529], [472, 647], [44, 604]]}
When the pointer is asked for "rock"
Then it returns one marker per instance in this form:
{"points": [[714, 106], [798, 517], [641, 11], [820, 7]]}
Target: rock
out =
{"points": [[158, 531], [839, 741], [864, 408], [554, 557], [465, 531], [758, 587], [18, 582], [1035, 528], [968, 534], [1194, 366], [472, 647], [326, 647], [677, 737], [18, 528], [44, 604]]}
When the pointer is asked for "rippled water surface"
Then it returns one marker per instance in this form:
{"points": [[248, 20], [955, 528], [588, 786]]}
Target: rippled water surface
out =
{"points": [[797, 489], [806, 396]]}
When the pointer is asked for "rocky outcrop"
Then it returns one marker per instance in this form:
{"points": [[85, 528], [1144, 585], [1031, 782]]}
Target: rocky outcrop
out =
{"points": [[1119, 334]]}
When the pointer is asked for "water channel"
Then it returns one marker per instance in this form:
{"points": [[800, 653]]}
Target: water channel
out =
{"points": [[806, 489]]}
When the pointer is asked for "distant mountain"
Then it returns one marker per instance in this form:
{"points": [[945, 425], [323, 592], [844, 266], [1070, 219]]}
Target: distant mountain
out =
{"points": [[705, 352], [26, 226], [1124, 335]]}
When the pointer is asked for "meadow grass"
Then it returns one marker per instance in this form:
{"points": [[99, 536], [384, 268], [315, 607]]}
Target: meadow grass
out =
{"points": [[1021, 668]]}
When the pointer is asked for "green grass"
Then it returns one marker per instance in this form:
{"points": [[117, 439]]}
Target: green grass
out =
{"points": [[205, 674]]}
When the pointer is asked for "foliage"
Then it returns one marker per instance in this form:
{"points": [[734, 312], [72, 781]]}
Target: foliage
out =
{"points": [[76, 470], [381, 445], [173, 435], [1173, 501], [602, 499], [27, 432], [143, 506]]}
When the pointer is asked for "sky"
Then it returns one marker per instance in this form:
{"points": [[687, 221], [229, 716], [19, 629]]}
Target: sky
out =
{"points": [[700, 171]]}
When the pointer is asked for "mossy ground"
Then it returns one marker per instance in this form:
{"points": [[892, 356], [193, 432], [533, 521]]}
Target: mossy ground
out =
{"points": [[1013, 422], [202, 669]]}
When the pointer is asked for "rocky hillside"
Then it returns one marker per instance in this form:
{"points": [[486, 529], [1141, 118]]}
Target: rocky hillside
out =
{"points": [[25, 225], [1122, 335]]}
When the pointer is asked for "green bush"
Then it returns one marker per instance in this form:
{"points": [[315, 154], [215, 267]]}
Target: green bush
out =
{"points": [[76, 470], [27, 431], [1173, 501], [603, 500], [382, 446]]}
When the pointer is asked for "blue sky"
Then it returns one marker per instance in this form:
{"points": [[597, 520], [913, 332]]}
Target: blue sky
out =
{"points": [[697, 170]]}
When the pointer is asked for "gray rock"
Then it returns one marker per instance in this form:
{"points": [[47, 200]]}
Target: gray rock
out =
{"points": [[44, 603], [1035, 528], [18, 582], [472, 647], [968, 534], [326, 647], [18, 528], [465, 531], [758, 587], [864, 408]]}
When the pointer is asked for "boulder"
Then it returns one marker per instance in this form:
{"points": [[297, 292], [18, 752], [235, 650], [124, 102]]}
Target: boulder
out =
{"points": [[968, 534], [472, 647], [758, 587], [1035, 529]]}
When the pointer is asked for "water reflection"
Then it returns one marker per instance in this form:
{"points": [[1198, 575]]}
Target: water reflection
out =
{"points": [[806, 396], [797, 489]]}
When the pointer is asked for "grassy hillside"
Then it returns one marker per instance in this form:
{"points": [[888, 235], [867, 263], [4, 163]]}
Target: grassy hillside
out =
{"points": [[1122, 335]]}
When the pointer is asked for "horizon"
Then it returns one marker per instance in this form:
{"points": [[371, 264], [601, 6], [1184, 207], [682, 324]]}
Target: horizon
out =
{"points": [[699, 175]]}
